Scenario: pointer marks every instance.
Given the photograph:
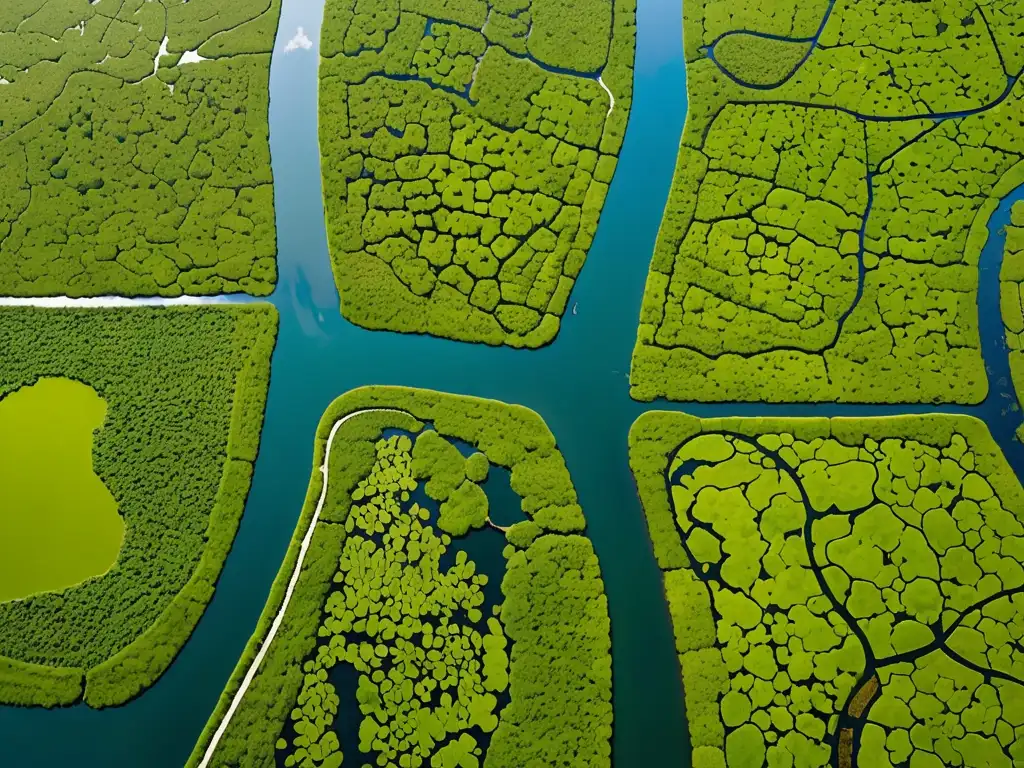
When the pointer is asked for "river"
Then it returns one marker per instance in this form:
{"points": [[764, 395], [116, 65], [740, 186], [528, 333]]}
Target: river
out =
{"points": [[578, 384]]}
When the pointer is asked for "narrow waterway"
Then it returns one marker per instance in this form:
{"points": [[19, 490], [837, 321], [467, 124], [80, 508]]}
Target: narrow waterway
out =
{"points": [[1000, 410], [578, 384]]}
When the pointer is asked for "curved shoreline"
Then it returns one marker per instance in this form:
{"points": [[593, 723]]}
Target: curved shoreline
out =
{"points": [[292, 582]]}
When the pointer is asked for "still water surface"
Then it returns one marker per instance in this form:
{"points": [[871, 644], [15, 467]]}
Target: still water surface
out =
{"points": [[578, 384]]}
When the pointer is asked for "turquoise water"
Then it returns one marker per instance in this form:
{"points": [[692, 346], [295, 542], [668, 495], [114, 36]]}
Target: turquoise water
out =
{"points": [[578, 384]]}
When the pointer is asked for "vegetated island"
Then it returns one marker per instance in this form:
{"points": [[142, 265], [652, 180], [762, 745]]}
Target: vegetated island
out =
{"points": [[844, 591], [838, 168], [134, 149], [466, 151], [1011, 299], [176, 398], [386, 627]]}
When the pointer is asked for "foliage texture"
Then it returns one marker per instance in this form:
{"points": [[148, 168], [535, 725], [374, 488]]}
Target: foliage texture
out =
{"points": [[384, 591], [822, 235], [467, 147], [125, 168], [185, 389], [843, 591]]}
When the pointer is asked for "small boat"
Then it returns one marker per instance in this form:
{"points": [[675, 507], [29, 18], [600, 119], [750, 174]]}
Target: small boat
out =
{"points": [[575, 307]]}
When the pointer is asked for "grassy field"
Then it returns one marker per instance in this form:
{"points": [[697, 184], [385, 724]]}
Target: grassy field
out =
{"points": [[59, 524]]}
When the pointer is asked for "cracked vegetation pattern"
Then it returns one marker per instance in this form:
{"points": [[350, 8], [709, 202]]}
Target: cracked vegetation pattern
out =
{"points": [[851, 600], [467, 148], [123, 172], [823, 231], [1011, 297]]}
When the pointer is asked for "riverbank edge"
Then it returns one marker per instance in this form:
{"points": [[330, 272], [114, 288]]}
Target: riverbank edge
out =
{"points": [[140, 664], [550, 523]]}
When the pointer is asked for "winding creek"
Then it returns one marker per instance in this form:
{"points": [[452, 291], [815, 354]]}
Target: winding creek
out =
{"points": [[578, 384]]}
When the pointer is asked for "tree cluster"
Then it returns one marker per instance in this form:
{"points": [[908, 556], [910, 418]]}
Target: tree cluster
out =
{"points": [[448, 56], [123, 172], [846, 589], [571, 34], [430, 664], [185, 389], [886, 155], [758, 61], [464, 171], [387, 590]]}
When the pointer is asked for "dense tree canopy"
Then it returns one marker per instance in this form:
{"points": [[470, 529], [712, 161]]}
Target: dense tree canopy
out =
{"points": [[125, 168], [184, 389], [837, 170], [466, 150], [443, 677], [844, 592]]}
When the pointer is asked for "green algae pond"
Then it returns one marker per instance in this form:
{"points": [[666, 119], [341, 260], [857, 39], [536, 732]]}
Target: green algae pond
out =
{"points": [[64, 532]]}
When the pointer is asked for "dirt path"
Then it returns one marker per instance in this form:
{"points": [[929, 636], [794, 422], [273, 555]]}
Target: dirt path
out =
{"points": [[276, 625], [611, 96]]}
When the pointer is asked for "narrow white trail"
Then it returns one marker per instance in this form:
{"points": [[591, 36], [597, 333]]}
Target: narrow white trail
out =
{"points": [[160, 54], [303, 549], [113, 301], [611, 96]]}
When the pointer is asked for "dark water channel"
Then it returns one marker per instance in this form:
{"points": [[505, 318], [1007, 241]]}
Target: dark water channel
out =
{"points": [[578, 384]]}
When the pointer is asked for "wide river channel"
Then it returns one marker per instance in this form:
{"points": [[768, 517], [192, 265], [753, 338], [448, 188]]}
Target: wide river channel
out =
{"points": [[578, 384]]}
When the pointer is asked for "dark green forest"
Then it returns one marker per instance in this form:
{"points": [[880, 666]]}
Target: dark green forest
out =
{"points": [[185, 389], [124, 170]]}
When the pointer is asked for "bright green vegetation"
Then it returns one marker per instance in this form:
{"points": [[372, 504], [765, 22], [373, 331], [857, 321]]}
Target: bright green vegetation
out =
{"points": [[463, 173], [843, 591], [441, 677], [759, 60], [427, 675], [60, 524], [124, 172], [822, 237], [183, 389], [1011, 297]]}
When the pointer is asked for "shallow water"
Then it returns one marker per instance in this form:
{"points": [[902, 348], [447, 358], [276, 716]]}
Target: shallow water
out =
{"points": [[578, 384]]}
